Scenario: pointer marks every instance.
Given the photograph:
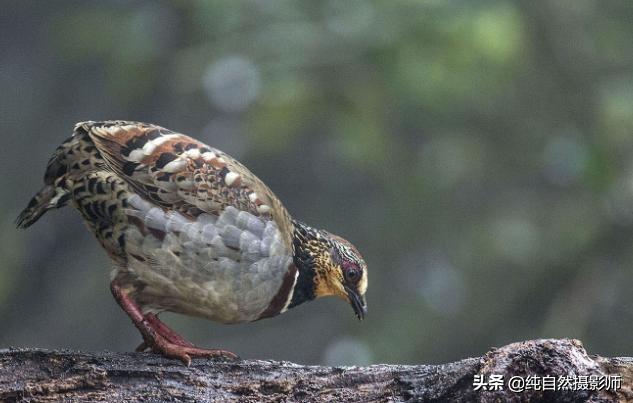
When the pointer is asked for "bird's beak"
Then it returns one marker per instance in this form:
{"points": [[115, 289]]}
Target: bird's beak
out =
{"points": [[358, 303]]}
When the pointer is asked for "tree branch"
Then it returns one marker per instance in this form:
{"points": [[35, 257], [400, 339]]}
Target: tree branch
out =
{"points": [[38, 375]]}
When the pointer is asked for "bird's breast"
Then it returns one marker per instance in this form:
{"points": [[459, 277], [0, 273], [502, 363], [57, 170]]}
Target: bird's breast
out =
{"points": [[229, 268]]}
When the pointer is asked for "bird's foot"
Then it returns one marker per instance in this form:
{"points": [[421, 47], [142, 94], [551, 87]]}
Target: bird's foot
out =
{"points": [[158, 337], [159, 344], [165, 331], [169, 343]]}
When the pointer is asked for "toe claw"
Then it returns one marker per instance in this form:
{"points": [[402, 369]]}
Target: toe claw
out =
{"points": [[184, 353]]}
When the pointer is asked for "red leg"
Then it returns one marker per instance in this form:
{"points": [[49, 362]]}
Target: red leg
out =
{"points": [[166, 331], [158, 337]]}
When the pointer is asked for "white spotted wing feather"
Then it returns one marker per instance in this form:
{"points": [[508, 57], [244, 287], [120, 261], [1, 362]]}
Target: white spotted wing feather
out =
{"points": [[180, 173]]}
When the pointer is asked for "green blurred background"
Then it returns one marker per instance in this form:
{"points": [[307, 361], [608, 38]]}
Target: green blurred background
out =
{"points": [[479, 154]]}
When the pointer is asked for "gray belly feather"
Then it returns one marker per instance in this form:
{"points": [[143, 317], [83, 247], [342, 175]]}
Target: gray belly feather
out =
{"points": [[226, 268]]}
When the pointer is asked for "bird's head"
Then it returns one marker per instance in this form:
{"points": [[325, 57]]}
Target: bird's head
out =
{"points": [[330, 266]]}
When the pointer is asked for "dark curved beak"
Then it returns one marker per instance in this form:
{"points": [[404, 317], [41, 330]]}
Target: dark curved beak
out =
{"points": [[358, 303]]}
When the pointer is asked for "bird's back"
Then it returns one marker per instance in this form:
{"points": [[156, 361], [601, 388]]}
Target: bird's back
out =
{"points": [[189, 228]]}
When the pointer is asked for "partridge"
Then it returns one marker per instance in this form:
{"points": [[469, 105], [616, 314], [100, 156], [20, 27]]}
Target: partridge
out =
{"points": [[191, 231]]}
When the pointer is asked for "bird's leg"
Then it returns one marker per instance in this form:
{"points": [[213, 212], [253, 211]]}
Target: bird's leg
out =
{"points": [[157, 336], [166, 331]]}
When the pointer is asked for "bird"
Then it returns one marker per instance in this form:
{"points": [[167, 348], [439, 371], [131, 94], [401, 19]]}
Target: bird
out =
{"points": [[191, 230]]}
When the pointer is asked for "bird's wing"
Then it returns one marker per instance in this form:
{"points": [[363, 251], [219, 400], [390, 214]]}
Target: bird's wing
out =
{"points": [[180, 173], [214, 262]]}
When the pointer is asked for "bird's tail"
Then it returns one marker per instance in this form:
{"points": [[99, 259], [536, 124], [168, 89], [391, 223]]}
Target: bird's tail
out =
{"points": [[55, 193], [50, 197]]}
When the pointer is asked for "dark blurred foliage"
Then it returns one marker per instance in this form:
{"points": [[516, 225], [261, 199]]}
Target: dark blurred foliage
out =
{"points": [[478, 153]]}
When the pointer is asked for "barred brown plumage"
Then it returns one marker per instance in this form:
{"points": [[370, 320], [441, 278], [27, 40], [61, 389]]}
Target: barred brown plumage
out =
{"points": [[191, 231]]}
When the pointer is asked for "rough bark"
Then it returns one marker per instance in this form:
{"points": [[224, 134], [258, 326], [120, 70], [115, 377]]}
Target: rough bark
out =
{"points": [[38, 375]]}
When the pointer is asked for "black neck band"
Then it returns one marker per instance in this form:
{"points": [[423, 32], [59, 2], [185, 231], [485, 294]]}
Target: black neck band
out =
{"points": [[304, 289]]}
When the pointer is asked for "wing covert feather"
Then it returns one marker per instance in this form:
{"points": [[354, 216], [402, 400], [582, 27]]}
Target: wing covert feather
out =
{"points": [[177, 172]]}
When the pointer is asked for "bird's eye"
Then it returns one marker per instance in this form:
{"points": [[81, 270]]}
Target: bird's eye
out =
{"points": [[352, 275]]}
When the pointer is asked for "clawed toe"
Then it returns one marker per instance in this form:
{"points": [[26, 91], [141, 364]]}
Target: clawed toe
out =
{"points": [[158, 337], [185, 353], [210, 353]]}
